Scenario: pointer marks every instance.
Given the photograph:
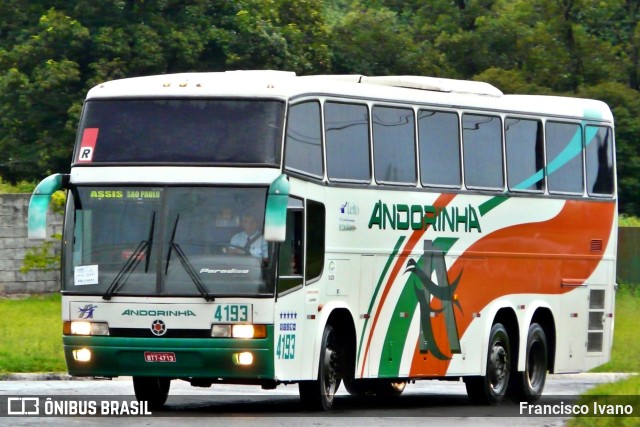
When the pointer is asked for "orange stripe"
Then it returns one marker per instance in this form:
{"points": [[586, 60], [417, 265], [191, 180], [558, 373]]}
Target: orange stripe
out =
{"points": [[442, 201]]}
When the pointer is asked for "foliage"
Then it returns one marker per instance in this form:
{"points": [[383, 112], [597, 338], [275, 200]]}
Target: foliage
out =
{"points": [[52, 52], [19, 188], [628, 221], [45, 256]]}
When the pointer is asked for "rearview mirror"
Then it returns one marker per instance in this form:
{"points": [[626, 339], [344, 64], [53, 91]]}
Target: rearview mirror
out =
{"points": [[39, 203], [275, 218]]}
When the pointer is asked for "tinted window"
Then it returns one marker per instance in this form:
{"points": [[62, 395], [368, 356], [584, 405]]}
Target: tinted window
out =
{"points": [[175, 131], [564, 157], [482, 142], [347, 139], [315, 239], [525, 154], [303, 149], [599, 142], [394, 151], [290, 262], [439, 139]]}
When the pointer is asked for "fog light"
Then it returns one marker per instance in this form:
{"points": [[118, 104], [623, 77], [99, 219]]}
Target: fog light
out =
{"points": [[82, 355], [245, 358]]}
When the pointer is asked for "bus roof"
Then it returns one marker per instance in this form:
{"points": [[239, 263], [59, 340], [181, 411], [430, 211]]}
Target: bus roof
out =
{"points": [[403, 89]]}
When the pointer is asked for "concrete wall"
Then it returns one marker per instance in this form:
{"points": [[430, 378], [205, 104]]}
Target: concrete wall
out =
{"points": [[14, 244]]}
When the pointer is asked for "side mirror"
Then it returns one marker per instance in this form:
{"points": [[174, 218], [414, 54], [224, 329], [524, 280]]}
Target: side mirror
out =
{"points": [[39, 203], [275, 218]]}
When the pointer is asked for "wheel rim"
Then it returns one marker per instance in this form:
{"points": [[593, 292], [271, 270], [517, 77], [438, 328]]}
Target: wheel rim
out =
{"points": [[499, 368]]}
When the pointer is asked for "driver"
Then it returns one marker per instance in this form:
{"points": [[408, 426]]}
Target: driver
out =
{"points": [[249, 240]]}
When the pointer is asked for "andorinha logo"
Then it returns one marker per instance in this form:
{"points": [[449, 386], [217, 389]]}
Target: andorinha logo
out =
{"points": [[419, 217], [155, 313]]}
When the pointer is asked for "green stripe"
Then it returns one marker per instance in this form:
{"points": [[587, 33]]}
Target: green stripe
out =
{"points": [[399, 326], [375, 293], [195, 357], [493, 202]]}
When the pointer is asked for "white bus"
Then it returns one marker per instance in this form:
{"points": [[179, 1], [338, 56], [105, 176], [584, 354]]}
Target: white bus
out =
{"points": [[258, 227]]}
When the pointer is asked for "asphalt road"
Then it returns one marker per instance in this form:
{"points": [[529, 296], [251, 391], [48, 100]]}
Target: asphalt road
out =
{"points": [[441, 402]]}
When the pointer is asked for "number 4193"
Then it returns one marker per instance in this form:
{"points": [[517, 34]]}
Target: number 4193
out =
{"points": [[286, 348]]}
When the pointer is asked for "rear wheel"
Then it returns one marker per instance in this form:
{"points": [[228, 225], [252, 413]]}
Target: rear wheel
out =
{"points": [[319, 394], [491, 388], [528, 385], [151, 389]]}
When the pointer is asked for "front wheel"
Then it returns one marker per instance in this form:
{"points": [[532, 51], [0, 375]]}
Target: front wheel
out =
{"points": [[319, 394], [153, 390], [527, 385], [491, 388]]}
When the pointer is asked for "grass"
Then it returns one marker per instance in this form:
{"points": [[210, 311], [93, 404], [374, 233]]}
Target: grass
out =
{"points": [[31, 331], [624, 358], [626, 341], [607, 394]]}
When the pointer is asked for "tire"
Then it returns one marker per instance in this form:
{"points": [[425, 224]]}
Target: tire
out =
{"points": [[153, 390], [491, 388], [318, 395], [528, 385]]}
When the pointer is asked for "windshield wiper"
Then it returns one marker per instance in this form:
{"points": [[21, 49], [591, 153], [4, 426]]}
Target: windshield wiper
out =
{"points": [[191, 272], [132, 262], [127, 268], [150, 242], [185, 264]]}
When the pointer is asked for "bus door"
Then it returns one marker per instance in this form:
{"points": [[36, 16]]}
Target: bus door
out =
{"points": [[290, 299]]}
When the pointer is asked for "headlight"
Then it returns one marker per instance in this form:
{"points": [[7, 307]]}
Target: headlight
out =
{"points": [[82, 327], [238, 331]]}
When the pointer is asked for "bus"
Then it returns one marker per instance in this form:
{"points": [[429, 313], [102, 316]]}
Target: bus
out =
{"points": [[264, 228]]}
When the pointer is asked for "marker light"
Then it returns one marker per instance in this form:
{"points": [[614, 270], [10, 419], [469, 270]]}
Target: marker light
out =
{"points": [[245, 358], [221, 331], [83, 327], [82, 355]]}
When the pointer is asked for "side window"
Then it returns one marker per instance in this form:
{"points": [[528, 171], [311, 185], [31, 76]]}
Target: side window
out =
{"points": [[290, 255], [394, 149], [599, 141], [564, 158], [315, 239], [525, 154], [482, 145], [303, 148], [347, 142], [439, 139]]}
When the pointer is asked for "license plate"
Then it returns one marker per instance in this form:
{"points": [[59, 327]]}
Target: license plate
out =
{"points": [[155, 356]]}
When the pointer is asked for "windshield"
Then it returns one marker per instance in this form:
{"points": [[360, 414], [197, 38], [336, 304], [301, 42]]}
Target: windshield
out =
{"points": [[178, 241], [213, 131]]}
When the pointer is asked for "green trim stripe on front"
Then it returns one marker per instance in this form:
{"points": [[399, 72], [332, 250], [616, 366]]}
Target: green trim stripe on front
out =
{"points": [[195, 357]]}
